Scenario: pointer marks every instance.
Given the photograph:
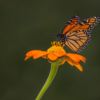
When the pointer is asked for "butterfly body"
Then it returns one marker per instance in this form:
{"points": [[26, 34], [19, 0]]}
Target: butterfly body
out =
{"points": [[62, 37], [76, 35]]}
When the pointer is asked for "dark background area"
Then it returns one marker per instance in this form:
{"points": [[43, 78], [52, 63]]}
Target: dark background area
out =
{"points": [[23, 24]]}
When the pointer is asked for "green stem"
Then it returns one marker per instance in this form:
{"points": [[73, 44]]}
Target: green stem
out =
{"points": [[54, 68]]}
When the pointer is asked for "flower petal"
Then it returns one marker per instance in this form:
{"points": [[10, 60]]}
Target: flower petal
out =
{"points": [[70, 61], [39, 54], [44, 56], [52, 57], [82, 58], [76, 57], [73, 63], [31, 53], [59, 53], [26, 58], [79, 66]]}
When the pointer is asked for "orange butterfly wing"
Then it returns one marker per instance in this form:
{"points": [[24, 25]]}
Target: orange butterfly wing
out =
{"points": [[79, 36], [76, 35], [71, 23], [78, 40], [87, 24]]}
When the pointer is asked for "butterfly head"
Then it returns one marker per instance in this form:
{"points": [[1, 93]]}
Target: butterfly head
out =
{"points": [[61, 37]]}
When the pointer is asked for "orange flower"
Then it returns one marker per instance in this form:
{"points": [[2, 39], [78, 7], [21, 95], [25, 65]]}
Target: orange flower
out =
{"points": [[56, 51]]}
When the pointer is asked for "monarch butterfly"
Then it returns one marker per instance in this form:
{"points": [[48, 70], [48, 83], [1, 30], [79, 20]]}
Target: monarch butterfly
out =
{"points": [[76, 35]]}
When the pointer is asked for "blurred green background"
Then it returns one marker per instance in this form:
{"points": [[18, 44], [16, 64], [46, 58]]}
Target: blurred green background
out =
{"points": [[23, 24]]}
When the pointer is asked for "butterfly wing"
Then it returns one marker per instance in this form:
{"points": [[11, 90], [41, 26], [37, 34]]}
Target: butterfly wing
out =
{"points": [[87, 24], [79, 36], [71, 23], [78, 40]]}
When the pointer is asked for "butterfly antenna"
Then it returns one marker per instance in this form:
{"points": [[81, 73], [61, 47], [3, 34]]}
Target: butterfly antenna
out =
{"points": [[57, 39], [50, 34]]}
